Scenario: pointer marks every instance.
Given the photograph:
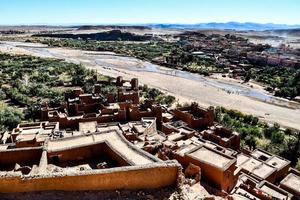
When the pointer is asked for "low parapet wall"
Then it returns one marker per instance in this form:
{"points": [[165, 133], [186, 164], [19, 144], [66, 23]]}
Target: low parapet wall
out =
{"points": [[23, 156], [156, 175]]}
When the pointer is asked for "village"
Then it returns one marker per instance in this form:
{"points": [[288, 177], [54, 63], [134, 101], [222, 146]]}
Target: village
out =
{"points": [[235, 53], [115, 142]]}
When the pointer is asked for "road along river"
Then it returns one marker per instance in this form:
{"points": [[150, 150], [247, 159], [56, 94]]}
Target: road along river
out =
{"points": [[185, 86]]}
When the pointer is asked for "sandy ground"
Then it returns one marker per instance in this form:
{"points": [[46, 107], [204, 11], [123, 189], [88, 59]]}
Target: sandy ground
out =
{"points": [[184, 88]]}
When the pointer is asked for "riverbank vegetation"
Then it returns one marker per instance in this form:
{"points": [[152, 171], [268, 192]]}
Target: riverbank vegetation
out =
{"points": [[170, 54], [257, 134], [282, 82], [157, 96]]}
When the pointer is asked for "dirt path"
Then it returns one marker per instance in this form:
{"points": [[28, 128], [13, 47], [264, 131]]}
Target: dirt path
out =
{"points": [[187, 87]]}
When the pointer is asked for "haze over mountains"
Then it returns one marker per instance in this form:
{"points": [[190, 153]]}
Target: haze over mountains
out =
{"points": [[228, 25], [211, 25]]}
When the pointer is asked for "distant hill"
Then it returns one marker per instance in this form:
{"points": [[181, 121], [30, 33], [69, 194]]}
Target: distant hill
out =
{"points": [[113, 35], [116, 27], [293, 32], [228, 25], [207, 26]]}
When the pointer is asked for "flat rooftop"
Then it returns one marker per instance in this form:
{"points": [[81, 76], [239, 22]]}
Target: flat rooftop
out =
{"points": [[258, 168], [241, 194], [277, 162], [241, 158], [273, 191], [260, 154], [86, 127], [292, 181], [211, 157], [175, 136]]}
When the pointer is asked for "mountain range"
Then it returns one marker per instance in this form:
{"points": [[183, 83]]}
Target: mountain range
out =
{"points": [[228, 25]]}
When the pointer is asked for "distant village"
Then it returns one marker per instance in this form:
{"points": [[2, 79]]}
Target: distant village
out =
{"points": [[235, 54]]}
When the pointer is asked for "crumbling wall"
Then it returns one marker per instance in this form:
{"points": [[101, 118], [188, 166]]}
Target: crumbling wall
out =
{"points": [[65, 122], [150, 176], [167, 129], [198, 118], [124, 96]]}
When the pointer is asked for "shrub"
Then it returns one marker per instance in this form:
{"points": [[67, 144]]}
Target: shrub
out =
{"points": [[277, 137], [10, 117], [2, 95], [250, 141]]}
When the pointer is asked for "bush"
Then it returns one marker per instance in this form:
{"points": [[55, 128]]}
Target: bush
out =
{"points": [[268, 132], [78, 75], [10, 117], [255, 121], [277, 137], [2, 95], [169, 100], [250, 141], [31, 112]]}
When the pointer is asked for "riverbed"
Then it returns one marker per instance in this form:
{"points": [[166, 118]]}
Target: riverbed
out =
{"points": [[184, 85]]}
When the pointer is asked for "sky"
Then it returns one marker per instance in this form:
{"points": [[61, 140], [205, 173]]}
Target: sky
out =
{"points": [[72, 12]]}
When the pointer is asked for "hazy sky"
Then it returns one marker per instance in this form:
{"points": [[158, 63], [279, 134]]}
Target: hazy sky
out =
{"points": [[147, 11]]}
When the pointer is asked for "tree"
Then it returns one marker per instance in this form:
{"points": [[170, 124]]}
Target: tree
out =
{"points": [[33, 112], [268, 132], [169, 100], [153, 93], [78, 75], [10, 117], [250, 141], [277, 137]]}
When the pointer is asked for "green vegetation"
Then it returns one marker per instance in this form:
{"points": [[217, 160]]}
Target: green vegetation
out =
{"points": [[170, 54], [28, 82], [9, 117], [284, 81], [157, 96], [257, 134], [147, 50]]}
